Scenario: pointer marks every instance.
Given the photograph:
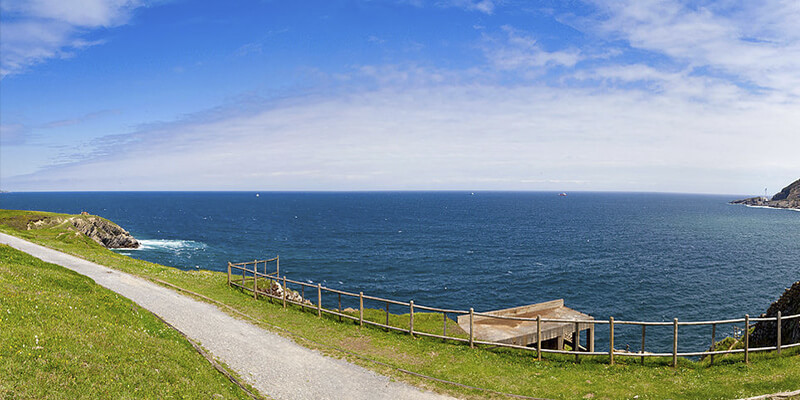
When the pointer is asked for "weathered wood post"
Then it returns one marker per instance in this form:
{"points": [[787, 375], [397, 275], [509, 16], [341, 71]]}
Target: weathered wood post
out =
{"points": [[674, 343], [576, 341], [643, 334], [360, 308], [277, 266], [471, 328], [340, 307], [778, 321], [591, 338], [538, 338], [244, 267], [387, 315], [747, 338], [713, 340], [444, 324], [255, 280], [229, 273], [319, 300], [411, 317], [285, 289], [611, 340]]}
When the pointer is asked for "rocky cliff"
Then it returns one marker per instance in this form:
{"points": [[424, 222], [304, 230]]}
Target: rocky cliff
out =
{"points": [[765, 332], [789, 197], [105, 232], [101, 230]]}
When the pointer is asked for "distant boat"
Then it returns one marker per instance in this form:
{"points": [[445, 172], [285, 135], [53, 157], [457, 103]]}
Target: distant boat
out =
{"points": [[257, 195], [562, 194]]}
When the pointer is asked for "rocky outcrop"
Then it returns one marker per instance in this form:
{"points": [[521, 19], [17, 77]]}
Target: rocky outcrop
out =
{"points": [[789, 197], [105, 232], [765, 332], [102, 231], [276, 289]]}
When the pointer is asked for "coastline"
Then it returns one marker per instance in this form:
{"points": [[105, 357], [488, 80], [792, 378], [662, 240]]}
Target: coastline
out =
{"points": [[771, 207]]}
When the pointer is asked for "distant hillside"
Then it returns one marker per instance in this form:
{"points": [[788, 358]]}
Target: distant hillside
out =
{"points": [[789, 197]]}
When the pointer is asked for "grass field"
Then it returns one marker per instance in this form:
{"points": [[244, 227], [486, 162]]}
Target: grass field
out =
{"points": [[64, 337], [503, 370]]}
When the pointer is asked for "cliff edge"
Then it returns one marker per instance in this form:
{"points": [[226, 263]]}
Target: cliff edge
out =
{"points": [[101, 230], [789, 197], [765, 332], [105, 232]]}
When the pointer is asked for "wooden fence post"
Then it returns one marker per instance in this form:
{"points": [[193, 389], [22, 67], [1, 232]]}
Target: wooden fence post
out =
{"points": [[611, 340], [643, 335], [340, 307], [713, 340], [471, 328], [576, 341], [411, 317], [285, 289], [319, 300], [674, 343], [444, 326], [538, 338], [277, 266], [255, 281], [360, 308], [591, 338], [387, 315], [747, 338], [229, 273], [778, 320]]}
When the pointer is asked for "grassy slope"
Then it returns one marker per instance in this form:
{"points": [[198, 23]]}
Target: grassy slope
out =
{"points": [[498, 369], [63, 336]]}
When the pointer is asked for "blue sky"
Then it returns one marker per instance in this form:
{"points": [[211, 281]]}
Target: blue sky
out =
{"points": [[646, 95]]}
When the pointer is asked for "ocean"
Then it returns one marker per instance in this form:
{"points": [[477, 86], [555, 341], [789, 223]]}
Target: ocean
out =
{"points": [[633, 256]]}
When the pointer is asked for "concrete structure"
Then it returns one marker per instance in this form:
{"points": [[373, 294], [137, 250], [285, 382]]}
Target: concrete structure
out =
{"points": [[523, 333]]}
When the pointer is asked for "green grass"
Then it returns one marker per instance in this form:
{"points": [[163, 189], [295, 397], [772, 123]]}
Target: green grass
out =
{"points": [[504, 370], [64, 337]]}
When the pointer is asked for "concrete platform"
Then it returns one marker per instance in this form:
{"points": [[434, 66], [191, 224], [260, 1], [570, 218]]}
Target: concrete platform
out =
{"points": [[523, 333]]}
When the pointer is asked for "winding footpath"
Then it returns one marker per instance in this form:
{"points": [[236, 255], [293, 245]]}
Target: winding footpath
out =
{"points": [[274, 365]]}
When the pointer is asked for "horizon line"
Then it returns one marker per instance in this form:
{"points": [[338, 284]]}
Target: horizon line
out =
{"points": [[256, 191]]}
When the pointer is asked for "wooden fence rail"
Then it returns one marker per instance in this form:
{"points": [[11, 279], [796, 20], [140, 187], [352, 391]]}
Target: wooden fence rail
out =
{"points": [[250, 276]]}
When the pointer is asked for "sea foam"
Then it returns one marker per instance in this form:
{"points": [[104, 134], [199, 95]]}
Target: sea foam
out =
{"points": [[168, 244]]}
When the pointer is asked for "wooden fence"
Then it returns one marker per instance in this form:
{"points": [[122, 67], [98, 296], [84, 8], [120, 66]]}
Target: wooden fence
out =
{"points": [[251, 277]]}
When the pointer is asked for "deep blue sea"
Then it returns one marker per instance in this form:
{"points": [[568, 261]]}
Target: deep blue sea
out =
{"points": [[634, 256]]}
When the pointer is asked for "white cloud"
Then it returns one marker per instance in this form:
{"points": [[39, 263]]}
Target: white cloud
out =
{"points": [[757, 43], [517, 51], [464, 136], [38, 30], [484, 6]]}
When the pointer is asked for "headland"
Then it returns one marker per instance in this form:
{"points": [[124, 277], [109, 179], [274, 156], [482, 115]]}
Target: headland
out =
{"points": [[789, 198]]}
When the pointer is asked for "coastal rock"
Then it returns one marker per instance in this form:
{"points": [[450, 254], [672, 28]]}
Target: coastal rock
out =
{"points": [[276, 289], [105, 232], [788, 197], [102, 231], [765, 332]]}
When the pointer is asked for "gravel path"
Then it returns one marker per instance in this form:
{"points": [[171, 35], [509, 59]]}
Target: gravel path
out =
{"points": [[274, 365]]}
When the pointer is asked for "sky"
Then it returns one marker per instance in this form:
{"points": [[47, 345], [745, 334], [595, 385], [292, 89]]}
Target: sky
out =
{"points": [[568, 95]]}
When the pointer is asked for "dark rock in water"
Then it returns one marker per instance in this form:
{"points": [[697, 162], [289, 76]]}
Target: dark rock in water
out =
{"points": [[765, 332], [789, 197], [105, 232]]}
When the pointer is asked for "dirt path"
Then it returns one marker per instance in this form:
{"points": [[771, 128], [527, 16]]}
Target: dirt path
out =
{"points": [[274, 365]]}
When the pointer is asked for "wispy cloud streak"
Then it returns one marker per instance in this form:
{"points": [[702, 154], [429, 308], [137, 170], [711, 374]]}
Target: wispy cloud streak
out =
{"points": [[38, 30]]}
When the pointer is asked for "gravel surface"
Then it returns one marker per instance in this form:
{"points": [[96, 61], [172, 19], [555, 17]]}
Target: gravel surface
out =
{"points": [[274, 365]]}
